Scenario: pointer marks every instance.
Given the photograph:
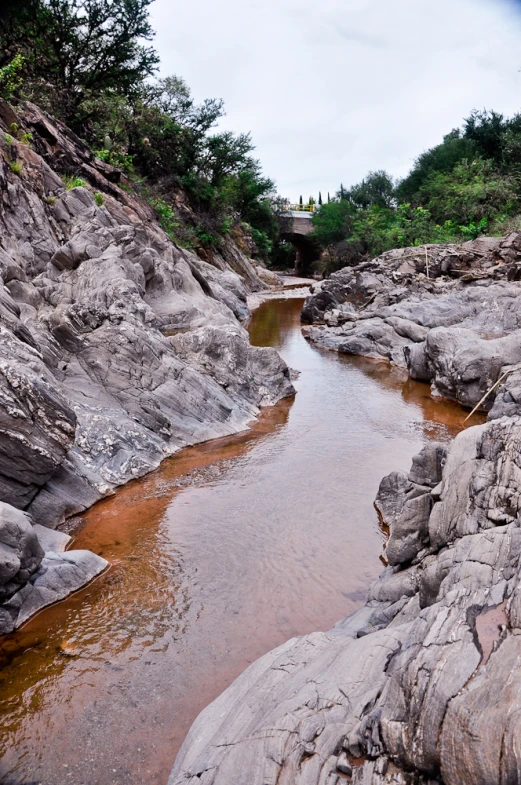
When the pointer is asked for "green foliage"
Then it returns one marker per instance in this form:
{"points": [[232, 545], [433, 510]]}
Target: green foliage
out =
{"points": [[73, 182], [88, 63], [8, 139], [11, 77], [99, 198], [467, 185], [333, 222], [376, 190], [263, 243], [50, 200], [116, 158], [474, 230], [471, 191], [16, 167], [167, 217], [75, 49]]}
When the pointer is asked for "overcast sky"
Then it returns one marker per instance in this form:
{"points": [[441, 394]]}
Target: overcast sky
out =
{"points": [[331, 89]]}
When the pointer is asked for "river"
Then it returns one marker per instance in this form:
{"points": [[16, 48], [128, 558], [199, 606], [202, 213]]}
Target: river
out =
{"points": [[226, 551]]}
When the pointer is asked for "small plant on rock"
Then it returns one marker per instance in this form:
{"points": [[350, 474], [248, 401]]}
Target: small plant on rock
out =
{"points": [[99, 198], [16, 167], [73, 182], [167, 217]]}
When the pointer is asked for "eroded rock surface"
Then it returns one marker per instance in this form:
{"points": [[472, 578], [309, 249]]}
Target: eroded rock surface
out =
{"points": [[117, 347], [459, 329], [401, 691]]}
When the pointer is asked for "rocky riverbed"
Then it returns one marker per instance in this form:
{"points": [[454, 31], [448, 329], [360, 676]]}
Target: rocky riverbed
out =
{"points": [[117, 349], [422, 684]]}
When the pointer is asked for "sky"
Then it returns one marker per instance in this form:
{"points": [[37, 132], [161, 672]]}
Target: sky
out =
{"points": [[332, 89]]}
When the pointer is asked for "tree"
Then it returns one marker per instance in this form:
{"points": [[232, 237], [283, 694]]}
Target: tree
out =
{"points": [[441, 158], [301, 202], [320, 198], [486, 130], [81, 48], [377, 189]]}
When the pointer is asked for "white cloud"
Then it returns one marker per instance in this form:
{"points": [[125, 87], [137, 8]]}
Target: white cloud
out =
{"points": [[333, 88]]}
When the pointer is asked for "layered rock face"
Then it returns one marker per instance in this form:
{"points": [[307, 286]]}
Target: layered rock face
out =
{"points": [[422, 684], [117, 348], [459, 328]]}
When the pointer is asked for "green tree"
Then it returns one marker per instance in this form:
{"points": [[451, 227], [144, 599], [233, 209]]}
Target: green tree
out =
{"points": [[81, 49], [377, 189]]}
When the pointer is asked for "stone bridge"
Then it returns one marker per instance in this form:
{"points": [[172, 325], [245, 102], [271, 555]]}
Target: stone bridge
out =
{"points": [[295, 228]]}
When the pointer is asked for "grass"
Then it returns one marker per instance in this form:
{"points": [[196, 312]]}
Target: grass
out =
{"points": [[99, 198], [16, 167]]}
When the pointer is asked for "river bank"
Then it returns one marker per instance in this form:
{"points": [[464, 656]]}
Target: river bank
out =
{"points": [[225, 552]]}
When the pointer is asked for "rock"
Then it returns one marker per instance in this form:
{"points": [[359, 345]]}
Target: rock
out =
{"points": [[460, 337], [59, 575], [20, 550], [50, 539], [247, 373], [268, 276]]}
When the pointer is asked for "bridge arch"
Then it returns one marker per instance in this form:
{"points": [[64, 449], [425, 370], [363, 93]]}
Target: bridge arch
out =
{"points": [[295, 226]]}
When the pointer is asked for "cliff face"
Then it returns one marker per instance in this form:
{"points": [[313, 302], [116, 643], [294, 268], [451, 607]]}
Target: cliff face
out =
{"points": [[117, 348]]}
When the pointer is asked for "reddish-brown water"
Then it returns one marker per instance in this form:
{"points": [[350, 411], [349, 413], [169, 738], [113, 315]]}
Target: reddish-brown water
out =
{"points": [[225, 552]]}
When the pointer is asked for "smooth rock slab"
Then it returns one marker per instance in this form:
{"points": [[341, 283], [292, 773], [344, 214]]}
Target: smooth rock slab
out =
{"points": [[59, 575], [20, 550]]}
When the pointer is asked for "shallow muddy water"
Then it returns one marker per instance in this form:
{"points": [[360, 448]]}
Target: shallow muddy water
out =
{"points": [[226, 551]]}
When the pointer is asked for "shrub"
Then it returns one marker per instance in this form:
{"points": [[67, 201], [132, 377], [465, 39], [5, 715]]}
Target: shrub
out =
{"points": [[73, 182], [16, 167], [10, 77], [167, 217], [99, 198]]}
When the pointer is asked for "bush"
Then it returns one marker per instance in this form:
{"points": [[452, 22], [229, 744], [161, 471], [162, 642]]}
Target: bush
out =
{"points": [[16, 167], [73, 182], [167, 217], [99, 198], [11, 77]]}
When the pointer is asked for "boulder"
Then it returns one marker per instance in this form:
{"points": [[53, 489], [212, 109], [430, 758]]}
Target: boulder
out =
{"points": [[20, 550]]}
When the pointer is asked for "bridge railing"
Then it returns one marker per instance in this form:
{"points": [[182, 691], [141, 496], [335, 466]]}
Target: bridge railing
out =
{"points": [[303, 208]]}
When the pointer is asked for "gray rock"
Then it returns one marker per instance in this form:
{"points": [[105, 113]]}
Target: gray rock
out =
{"points": [[459, 336], [59, 575], [20, 550]]}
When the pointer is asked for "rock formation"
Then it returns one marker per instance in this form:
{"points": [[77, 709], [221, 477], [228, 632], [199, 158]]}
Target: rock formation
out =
{"points": [[459, 328], [117, 347]]}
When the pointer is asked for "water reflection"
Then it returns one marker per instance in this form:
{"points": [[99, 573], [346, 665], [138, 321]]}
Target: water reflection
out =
{"points": [[228, 550]]}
